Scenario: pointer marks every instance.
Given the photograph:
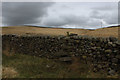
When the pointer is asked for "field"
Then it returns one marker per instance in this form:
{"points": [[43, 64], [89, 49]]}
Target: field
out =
{"points": [[103, 32]]}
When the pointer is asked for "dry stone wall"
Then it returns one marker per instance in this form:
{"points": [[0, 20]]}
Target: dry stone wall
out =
{"points": [[102, 52]]}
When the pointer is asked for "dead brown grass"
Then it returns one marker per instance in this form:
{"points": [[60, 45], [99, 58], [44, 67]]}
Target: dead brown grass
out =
{"points": [[9, 72], [103, 32]]}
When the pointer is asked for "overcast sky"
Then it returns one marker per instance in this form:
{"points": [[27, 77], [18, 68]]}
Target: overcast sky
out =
{"points": [[60, 14]]}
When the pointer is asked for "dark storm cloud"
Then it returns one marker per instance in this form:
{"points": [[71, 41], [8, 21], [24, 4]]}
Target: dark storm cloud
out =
{"points": [[20, 13]]}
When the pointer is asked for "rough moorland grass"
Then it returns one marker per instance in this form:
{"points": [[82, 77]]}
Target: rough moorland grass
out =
{"points": [[34, 67]]}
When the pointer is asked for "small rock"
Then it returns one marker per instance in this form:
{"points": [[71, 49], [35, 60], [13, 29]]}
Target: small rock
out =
{"points": [[114, 60], [111, 72], [110, 43], [84, 57], [108, 51], [47, 66], [112, 39], [65, 59], [118, 56], [72, 34]]}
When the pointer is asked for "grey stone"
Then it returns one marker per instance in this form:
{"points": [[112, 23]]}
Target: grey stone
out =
{"points": [[65, 59], [73, 34], [118, 56], [111, 72], [114, 60], [108, 51]]}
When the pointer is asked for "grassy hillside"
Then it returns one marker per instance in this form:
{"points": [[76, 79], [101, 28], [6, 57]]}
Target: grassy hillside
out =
{"points": [[103, 32]]}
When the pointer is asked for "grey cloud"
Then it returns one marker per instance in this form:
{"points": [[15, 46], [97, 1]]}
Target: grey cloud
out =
{"points": [[66, 20], [76, 20], [95, 14], [103, 7], [107, 13], [103, 11], [119, 12], [72, 20], [19, 13], [93, 22], [111, 18], [0, 14], [55, 21]]}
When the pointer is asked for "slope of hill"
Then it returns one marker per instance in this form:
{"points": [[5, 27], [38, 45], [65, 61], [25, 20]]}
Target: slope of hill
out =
{"points": [[21, 30]]}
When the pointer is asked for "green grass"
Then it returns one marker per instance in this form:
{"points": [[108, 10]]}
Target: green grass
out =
{"points": [[34, 67]]}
